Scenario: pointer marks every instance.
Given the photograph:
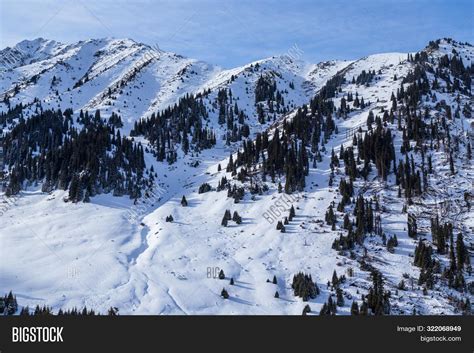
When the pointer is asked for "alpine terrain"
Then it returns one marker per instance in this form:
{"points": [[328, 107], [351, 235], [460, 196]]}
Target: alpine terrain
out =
{"points": [[139, 181]]}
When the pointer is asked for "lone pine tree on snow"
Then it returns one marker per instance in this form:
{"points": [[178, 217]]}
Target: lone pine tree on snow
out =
{"points": [[221, 274]]}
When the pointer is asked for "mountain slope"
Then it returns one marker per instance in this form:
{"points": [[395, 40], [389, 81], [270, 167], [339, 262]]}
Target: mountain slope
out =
{"points": [[119, 252], [134, 79]]}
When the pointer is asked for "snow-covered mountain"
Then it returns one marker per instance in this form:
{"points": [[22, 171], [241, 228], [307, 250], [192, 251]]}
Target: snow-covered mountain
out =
{"points": [[135, 79], [396, 127], [28, 52]]}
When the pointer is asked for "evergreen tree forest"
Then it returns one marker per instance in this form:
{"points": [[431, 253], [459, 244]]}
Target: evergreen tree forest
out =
{"points": [[87, 156], [290, 147], [9, 306], [181, 124], [373, 155]]}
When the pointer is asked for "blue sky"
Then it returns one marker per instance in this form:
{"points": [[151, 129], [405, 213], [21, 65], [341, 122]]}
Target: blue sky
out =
{"points": [[231, 33]]}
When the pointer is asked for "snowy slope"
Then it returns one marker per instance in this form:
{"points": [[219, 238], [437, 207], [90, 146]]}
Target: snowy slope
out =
{"points": [[113, 253]]}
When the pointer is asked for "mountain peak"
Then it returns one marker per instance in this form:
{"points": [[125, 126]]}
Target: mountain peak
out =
{"points": [[28, 51]]}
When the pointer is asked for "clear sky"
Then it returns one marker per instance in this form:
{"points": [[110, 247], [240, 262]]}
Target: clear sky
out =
{"points": [[231, 33]]}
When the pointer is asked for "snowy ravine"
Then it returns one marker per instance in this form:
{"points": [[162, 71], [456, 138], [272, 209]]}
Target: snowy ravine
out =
{"points": [[114, 253]]}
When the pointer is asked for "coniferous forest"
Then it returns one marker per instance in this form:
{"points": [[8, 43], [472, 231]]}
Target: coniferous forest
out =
{"points": [[87, 156]]}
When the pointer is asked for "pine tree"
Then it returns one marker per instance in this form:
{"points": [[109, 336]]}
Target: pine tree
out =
{"points": [[25, 311], [354, 308], [412, 226], [184, 202], [340, 297], [236, 218], [74, 193], [221, 274], [324, 310], [224, 294], [87, 198], [332, 306], [364, 309], [335, 279], [461, 252], [292, 213], [224, 221], [467, 307]]}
